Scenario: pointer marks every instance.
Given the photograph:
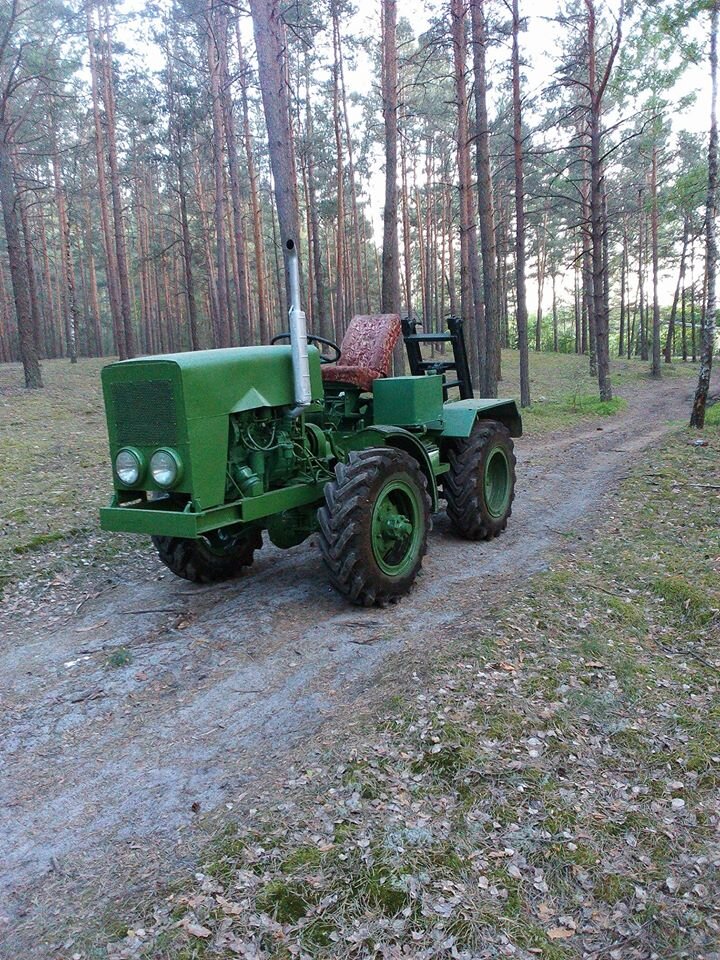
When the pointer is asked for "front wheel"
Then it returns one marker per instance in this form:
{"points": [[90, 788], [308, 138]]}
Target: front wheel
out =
{"points": [[374, 525], [480, 485], [211, 558]]}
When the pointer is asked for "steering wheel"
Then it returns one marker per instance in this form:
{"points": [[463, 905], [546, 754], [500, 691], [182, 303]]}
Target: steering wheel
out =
{"points": [[313, 339]]}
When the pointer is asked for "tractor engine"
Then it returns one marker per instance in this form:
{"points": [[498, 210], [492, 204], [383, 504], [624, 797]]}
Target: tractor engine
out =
{"points": [[267, 450]]}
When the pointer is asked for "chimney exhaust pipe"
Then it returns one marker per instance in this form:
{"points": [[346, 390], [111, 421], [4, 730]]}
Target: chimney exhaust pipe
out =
{"points": [[298, 335]]}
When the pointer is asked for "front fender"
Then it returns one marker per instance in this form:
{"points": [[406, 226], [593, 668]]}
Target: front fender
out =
{"points": [[399, 439]]}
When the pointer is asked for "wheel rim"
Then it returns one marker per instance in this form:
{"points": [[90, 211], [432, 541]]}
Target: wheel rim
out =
{"points": [[396, 529], [497, 482]]}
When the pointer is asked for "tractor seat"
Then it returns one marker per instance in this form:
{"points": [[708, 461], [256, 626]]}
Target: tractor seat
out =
{"points": [[366, 351]]}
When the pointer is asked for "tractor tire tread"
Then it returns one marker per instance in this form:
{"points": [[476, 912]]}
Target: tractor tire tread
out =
{"points": [[343, 524], [462, 484], [191, 559]]}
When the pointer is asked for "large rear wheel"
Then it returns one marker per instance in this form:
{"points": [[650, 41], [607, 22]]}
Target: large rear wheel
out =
{"points": [[216, 556], [374, 525], [480, 485]]}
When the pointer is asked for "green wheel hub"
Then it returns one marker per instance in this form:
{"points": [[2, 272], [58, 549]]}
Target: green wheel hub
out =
{"points": [[396, 528], [498, 482]]}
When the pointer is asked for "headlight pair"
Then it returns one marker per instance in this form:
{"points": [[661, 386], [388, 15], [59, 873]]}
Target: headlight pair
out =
{"points": [[165, 467]]}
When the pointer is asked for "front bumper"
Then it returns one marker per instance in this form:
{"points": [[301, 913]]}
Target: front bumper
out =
{"points": [[154, 519]]}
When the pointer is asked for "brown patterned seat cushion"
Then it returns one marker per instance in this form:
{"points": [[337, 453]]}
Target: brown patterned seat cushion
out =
{"points": [[366, 350]]}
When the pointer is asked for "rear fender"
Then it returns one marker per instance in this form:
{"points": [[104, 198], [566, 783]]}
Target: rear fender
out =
{"points": [[459, 416]]}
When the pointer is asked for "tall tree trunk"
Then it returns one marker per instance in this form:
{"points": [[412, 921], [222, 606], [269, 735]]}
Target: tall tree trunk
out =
{"points": [[486, 214], [223, 321], [470, 283], [541, 265], [656, 369], [390, 296], [390, 289], [522, 316], [103, 196], [27, 234], [236, 189], [693, 339], [18, 265], [260, 268], [598, 225], [697, 418], [108, 94], [670, 340], [340, 174], [407, 242], [270, 45], [314, 233], [623, 274], [357, 274], [71, 318]]}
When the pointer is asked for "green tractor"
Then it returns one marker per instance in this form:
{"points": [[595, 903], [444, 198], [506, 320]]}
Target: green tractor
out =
{"points": [[209, 449]]}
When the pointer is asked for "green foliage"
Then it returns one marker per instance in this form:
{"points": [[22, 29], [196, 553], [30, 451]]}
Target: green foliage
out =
{"points": [[120, 658]]}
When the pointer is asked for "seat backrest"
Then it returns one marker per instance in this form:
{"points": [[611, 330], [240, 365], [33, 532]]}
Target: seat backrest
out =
{"points": [[369, 342]]}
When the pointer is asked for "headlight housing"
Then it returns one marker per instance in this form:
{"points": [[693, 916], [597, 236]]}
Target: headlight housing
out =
{"points": [[129, 466], [165, 468]]}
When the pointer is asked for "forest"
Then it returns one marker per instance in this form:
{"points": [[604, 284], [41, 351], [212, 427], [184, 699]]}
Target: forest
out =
{"points": [[539, 172]]}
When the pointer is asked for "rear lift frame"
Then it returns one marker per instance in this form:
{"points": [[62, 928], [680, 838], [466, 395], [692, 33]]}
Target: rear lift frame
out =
{"points": [[459, 364]]}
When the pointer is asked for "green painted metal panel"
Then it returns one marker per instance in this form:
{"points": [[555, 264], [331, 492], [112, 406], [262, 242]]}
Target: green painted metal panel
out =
{"points": [[223, 381], [408, 401], [459, 416], [399, 439], [183, 400], [152, 519]]}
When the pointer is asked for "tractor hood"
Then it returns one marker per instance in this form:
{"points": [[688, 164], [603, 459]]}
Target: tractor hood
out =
{"points": [[220, 382], [183, 401]]}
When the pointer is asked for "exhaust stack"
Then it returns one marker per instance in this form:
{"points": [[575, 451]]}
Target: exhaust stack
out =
{"points": [[298, 335]]}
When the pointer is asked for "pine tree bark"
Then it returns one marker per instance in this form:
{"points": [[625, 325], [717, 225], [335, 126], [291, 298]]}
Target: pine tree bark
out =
{"points": [[670, 339], [223, 323], [470, 284], [656, 369], [340, 272], [260, 268], [236, 188], [18, 265], [390, 284], [108, 95], [390, 294], [707, 344], [596, 90], [104, 196], [486, 213], [522, 316], [269, 41], [71, 318], [318, 270], [27, 234]]}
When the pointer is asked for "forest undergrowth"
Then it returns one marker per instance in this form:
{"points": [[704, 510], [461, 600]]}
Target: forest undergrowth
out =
{"points": [[548, 788]]}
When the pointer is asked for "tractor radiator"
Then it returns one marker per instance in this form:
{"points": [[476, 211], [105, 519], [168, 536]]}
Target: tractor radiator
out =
{"points": [[144, 412]]}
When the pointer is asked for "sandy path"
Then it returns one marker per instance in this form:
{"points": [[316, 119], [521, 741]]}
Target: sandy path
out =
{"points": [[100, 767]]}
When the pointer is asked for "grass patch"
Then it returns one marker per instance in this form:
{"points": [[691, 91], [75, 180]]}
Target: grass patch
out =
{"points": [[121, 657], [284, 900]]}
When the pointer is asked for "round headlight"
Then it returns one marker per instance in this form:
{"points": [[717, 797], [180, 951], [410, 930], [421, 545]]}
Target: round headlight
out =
{"points": [[128, 467], [165, 468]]}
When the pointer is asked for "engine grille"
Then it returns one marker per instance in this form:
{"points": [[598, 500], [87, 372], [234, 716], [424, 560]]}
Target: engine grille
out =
{"points": [[144, 412]]}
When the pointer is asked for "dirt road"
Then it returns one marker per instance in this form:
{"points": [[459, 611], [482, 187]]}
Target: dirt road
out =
{"points": [[156, 699]]}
